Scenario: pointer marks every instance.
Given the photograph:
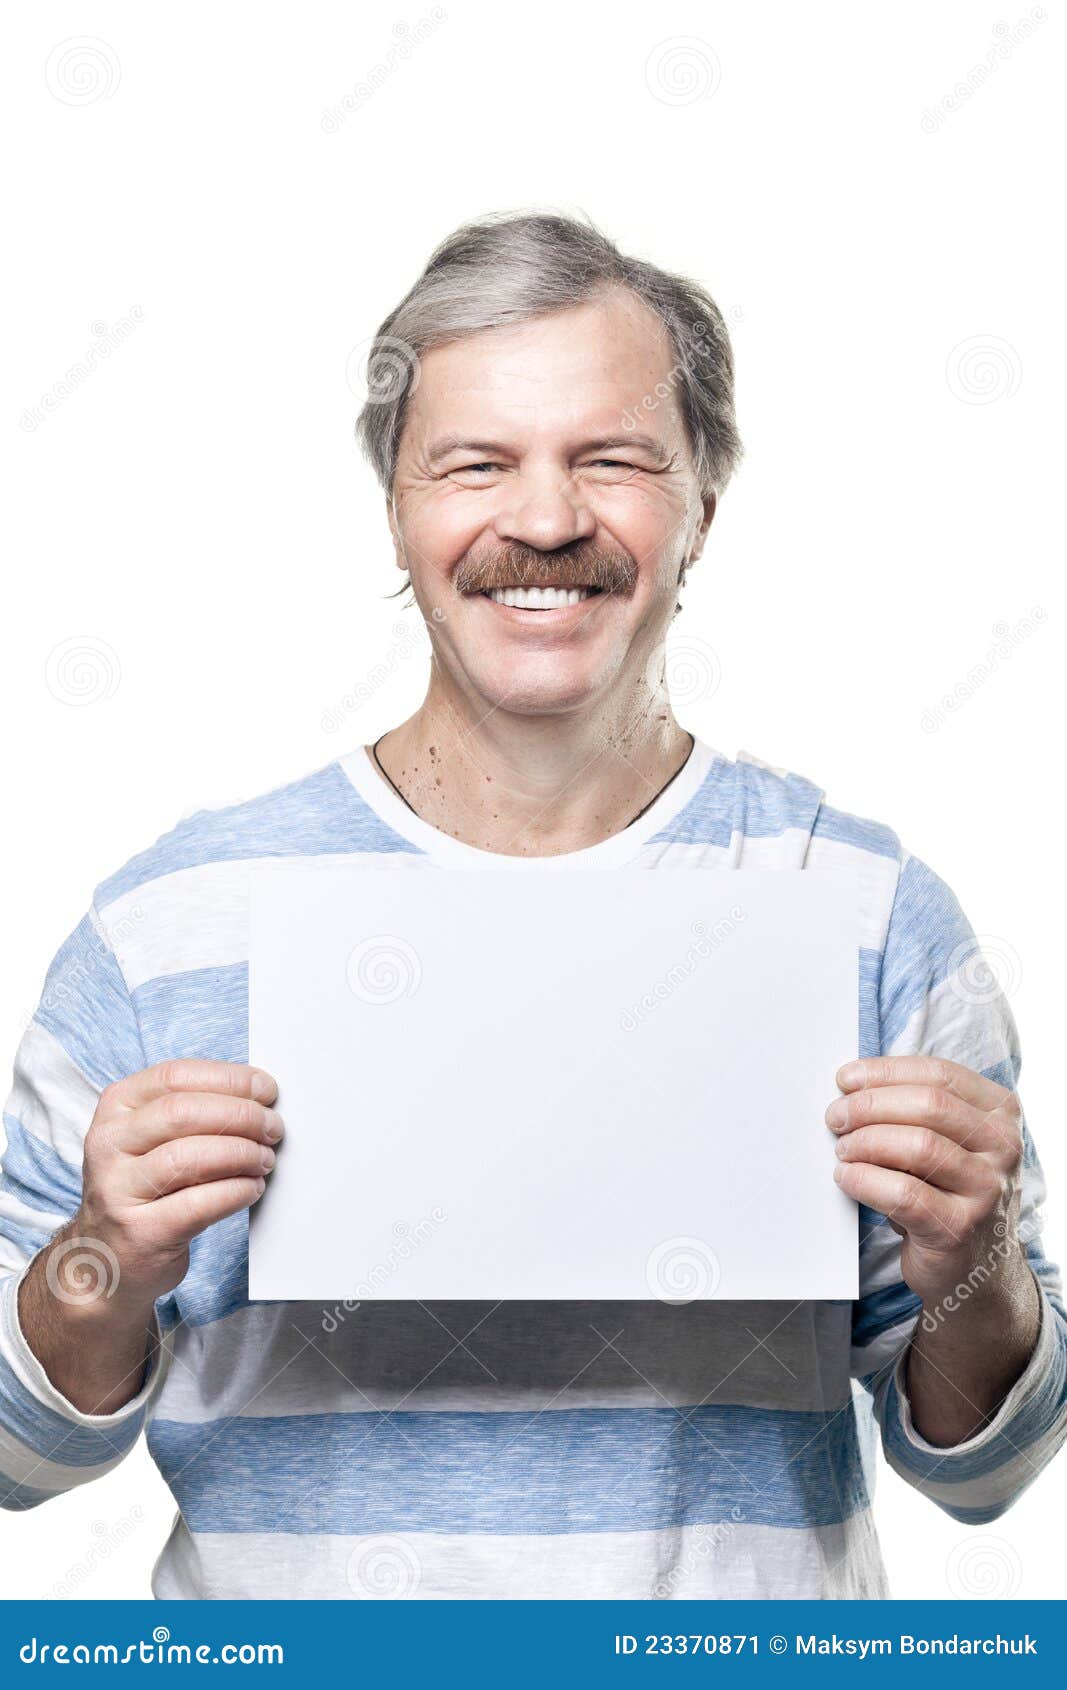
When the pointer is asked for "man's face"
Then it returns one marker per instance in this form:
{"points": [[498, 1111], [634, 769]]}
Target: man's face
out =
{"points": [[545, 502]]}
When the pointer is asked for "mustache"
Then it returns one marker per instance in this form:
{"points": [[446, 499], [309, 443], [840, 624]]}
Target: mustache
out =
{"points": [[581, 565]]}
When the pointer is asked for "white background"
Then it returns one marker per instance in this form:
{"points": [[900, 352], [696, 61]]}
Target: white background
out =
{"points": [[194, 516]]}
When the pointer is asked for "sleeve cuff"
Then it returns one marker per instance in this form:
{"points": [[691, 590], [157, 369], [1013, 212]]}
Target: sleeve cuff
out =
{"points": [[30, 1373], [1027, 1386]]}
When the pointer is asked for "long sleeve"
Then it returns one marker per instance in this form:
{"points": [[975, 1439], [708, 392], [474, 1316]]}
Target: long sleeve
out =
{"points": [[938, 996], [82, 1037]]}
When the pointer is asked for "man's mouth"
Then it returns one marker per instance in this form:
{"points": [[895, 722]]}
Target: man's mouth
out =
{"points": [[540, 598]]}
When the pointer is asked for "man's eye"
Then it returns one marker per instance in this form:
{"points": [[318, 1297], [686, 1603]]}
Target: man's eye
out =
{"points": [[474, 469]]}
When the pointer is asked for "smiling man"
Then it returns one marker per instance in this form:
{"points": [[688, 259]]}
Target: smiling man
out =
{"points": [[553, 424]]}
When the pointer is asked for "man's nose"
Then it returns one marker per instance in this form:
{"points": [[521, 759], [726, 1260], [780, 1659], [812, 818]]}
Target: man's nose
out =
{"points": [[545, 508]]}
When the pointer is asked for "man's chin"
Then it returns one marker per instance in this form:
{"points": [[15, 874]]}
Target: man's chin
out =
{"points": [[515, 694]]}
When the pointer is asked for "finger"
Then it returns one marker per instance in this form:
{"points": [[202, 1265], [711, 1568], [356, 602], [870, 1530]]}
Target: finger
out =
{"points": [[912, 1106], [229, 1079], [920, 1209], [178, 1114], [917, 1150], [195, 1161], [179, 1218], [965, 1083]]}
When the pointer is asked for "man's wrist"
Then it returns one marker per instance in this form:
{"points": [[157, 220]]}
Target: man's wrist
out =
{"points": [[94, 1351], [969, 1347]]}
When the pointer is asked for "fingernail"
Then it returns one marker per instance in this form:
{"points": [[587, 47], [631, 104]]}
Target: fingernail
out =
{"points": [[850, 1075], [841, 1148], [261, 1186], [263, 1087], [837, 1114], [273, 1127], [838, 1171], [267, 1161]]}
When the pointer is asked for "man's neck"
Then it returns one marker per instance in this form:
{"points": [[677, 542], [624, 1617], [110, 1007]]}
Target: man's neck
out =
{"points": [[531, 786]]}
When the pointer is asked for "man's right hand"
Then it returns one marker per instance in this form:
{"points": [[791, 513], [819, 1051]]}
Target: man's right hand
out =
{"points": [[171, 1150]]}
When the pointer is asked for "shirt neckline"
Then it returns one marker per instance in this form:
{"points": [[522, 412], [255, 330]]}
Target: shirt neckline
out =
{"points": [[358, 766]]}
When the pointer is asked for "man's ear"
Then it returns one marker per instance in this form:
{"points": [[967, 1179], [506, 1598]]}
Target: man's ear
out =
{"points": [[394, 531], [710, 504]]}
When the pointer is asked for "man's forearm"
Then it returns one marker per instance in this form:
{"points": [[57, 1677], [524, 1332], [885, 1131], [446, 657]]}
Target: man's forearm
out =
{"points": [[95, 1352], [964, 1360]]}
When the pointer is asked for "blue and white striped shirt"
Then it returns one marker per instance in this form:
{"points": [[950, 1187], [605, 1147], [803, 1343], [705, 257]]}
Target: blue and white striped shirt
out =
{"points": [[510, 1450]]}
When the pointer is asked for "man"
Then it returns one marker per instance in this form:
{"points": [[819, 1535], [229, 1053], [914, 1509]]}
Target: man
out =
{"points": [[553, 424]]}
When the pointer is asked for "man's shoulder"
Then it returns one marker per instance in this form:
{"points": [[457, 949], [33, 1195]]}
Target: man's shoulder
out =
{"points": [[767, 798], [317, 814]]}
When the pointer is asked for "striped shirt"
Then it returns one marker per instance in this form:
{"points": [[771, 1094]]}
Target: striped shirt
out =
{"points": [[550, 1449]]}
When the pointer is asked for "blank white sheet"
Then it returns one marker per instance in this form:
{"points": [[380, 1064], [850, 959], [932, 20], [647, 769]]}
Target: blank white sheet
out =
{"points": [[552, 1084]]}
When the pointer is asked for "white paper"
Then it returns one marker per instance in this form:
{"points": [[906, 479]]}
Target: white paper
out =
{"points": [[557, 1084]]}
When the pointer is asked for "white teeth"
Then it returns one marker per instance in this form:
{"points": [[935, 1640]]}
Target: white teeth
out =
{"points": [[538, 598]]}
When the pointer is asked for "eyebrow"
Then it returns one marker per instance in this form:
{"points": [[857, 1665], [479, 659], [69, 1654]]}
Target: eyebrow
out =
{"points": [[460, 443], [640, 442], [449, 443]]}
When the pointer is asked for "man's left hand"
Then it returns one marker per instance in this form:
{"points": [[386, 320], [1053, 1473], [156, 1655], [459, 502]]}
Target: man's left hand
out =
{"points": [[937, 1149]]}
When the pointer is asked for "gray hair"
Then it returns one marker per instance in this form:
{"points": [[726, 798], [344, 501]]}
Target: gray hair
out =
{"points": [[511, 268]]}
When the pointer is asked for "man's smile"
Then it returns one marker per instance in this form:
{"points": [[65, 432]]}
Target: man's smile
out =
{"points": [[539, 598]]}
